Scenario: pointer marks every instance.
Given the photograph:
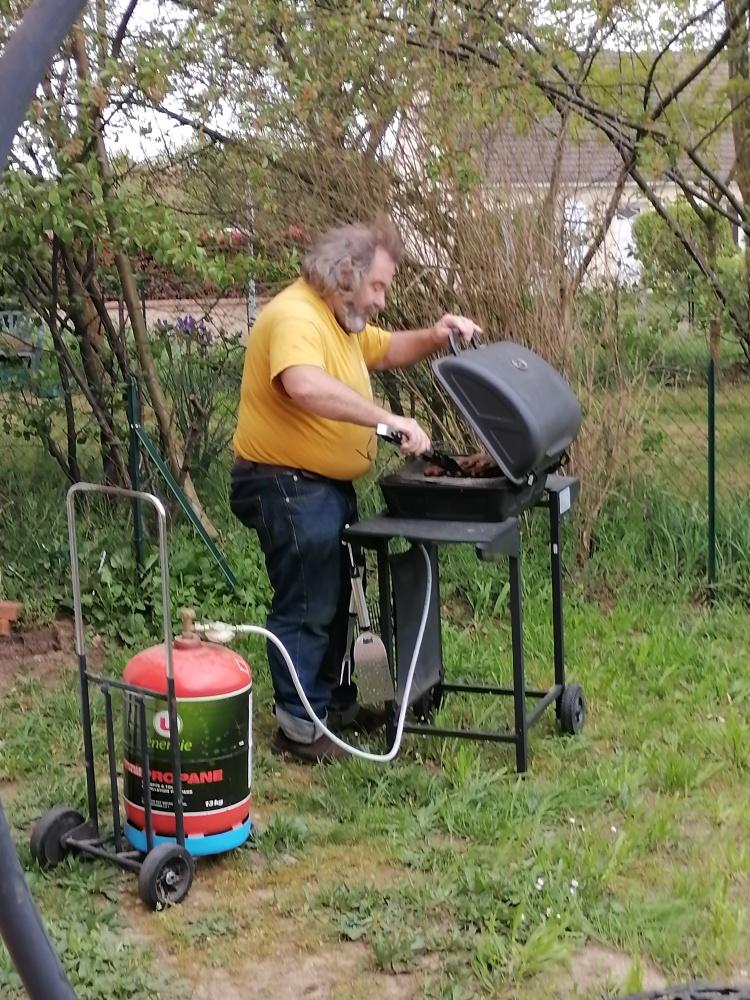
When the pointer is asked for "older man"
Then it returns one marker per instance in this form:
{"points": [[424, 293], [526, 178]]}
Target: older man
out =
{"points": [[305, 432]]}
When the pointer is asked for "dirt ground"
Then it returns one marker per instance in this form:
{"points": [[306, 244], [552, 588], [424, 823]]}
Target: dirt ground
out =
{"points": [[42, 651]]}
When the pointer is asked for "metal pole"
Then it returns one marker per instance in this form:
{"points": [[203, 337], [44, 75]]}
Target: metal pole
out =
{"points": [[555, 560], [23, 931], [80, 641], [134, 461], [712, 477], [27, 54], [519, 680]]}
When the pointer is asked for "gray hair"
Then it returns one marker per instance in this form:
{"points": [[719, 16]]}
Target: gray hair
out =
{"points": [[340, 259]]}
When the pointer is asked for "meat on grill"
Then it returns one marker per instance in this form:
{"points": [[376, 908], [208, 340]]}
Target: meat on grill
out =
{"points": [[477, 466]]}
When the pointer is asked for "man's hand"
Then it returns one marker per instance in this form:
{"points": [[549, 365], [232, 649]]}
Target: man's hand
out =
{"points": [[414, 441], [465, 327], [410, 346]]}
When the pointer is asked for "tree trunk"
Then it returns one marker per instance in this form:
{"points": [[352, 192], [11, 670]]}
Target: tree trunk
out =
{"points": [[86, 323], [174, 455]]}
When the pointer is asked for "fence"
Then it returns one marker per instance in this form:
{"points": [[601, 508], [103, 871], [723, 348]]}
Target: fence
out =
{"points": [[697, 452]]}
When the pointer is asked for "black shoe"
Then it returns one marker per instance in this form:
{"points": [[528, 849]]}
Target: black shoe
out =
{"points": [[320, 751], [365, 720]]}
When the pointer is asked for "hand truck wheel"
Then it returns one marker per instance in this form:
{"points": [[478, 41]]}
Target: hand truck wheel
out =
{"points": [[47, 845], [165, 876]]}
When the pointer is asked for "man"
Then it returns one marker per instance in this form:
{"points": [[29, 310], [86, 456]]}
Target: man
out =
{"points": [[305, 432]]}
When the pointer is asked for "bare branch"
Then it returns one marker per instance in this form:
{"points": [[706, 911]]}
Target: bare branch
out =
{"points": [[122, 29], [660, 55], [716, 49], [207, 130], [604, 224], [690, 247]]}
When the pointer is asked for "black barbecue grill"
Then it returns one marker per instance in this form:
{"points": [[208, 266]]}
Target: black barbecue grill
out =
{"points": [[526, 416]]}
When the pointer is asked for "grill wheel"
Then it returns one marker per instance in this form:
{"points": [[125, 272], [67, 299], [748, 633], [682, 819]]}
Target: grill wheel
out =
{"points": [[572, 710]]}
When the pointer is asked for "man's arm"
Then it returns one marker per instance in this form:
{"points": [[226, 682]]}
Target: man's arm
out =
{"points": [[410, 346], [315, 391]]}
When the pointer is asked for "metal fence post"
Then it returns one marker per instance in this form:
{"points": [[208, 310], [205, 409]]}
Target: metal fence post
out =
{"points": [[712, 477], [134, 462]]}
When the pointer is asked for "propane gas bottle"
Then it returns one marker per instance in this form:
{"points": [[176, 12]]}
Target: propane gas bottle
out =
{"points": [[213, 688]]}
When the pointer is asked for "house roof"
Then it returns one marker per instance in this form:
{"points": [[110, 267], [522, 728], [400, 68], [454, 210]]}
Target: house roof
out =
{"points": [[518, 158]]}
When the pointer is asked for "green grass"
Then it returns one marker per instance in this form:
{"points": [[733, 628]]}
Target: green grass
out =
{"points": [[443, 875], [446, 866]]}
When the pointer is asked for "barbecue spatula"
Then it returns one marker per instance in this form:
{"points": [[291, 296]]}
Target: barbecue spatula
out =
{"points": [[369, 655]]}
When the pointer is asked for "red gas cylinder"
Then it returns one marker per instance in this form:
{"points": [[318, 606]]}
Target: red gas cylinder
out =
{"points": [[214, 690]]}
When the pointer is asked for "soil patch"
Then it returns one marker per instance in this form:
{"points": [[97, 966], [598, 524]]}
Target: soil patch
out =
{"points": [[341, 971], [596, 968], [42, 651]]}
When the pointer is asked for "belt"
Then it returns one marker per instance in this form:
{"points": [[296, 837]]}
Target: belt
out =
{"points": [[246, 465], [274, 470]]}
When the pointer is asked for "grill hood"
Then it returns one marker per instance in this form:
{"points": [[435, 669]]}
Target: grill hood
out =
{"points": [[521, 409]]}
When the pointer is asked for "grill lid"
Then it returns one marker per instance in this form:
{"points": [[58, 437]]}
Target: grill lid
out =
{"points": [[522, 410]]}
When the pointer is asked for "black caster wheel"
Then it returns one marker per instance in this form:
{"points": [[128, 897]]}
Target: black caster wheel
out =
{"points": [[165, 876], [572, 710], [47, 847]]}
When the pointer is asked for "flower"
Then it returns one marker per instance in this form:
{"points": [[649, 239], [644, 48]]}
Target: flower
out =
{"points": [[539, 884]]}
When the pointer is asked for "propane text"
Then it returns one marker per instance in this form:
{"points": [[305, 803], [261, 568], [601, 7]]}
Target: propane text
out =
{"points": [[188, 777]]}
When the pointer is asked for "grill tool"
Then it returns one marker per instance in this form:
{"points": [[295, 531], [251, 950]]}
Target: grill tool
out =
{"points": [[438, 458], [366, 653]]}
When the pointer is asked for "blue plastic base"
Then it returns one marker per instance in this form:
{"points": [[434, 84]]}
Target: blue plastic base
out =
{"points": [[212, 843]]}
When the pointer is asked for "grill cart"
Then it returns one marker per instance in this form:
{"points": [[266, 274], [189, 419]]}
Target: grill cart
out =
{"points": [[526, 416]]}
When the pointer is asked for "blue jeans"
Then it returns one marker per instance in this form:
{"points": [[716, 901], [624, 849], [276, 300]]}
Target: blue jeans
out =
{"points": [[299, 520]]}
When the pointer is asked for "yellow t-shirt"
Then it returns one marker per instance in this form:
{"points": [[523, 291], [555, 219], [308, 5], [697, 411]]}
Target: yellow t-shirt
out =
{"points": [[298, 328]]}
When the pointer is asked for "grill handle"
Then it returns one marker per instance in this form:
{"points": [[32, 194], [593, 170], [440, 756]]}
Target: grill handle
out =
{"points": [[454, 339]]}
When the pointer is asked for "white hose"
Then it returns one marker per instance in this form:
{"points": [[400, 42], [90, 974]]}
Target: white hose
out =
{"points": [[222, 632]]}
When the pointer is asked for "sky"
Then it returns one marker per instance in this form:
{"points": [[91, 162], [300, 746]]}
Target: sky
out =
{"points": [[143, 134]]}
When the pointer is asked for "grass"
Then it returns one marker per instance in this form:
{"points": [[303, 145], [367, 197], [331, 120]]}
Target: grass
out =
{"points": [[443, 875], [459, 878]]}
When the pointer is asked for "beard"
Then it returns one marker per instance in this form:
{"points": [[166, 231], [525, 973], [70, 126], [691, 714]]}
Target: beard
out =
{"points": [[351, 318], [354, 321]]}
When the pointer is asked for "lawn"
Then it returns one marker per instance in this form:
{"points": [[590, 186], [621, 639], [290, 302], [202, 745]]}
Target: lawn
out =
{"points": [[619, 861]]}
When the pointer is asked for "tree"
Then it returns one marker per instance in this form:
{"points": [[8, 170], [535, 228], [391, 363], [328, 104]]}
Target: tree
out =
{"points": [[62, 183], [307, 112]]}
